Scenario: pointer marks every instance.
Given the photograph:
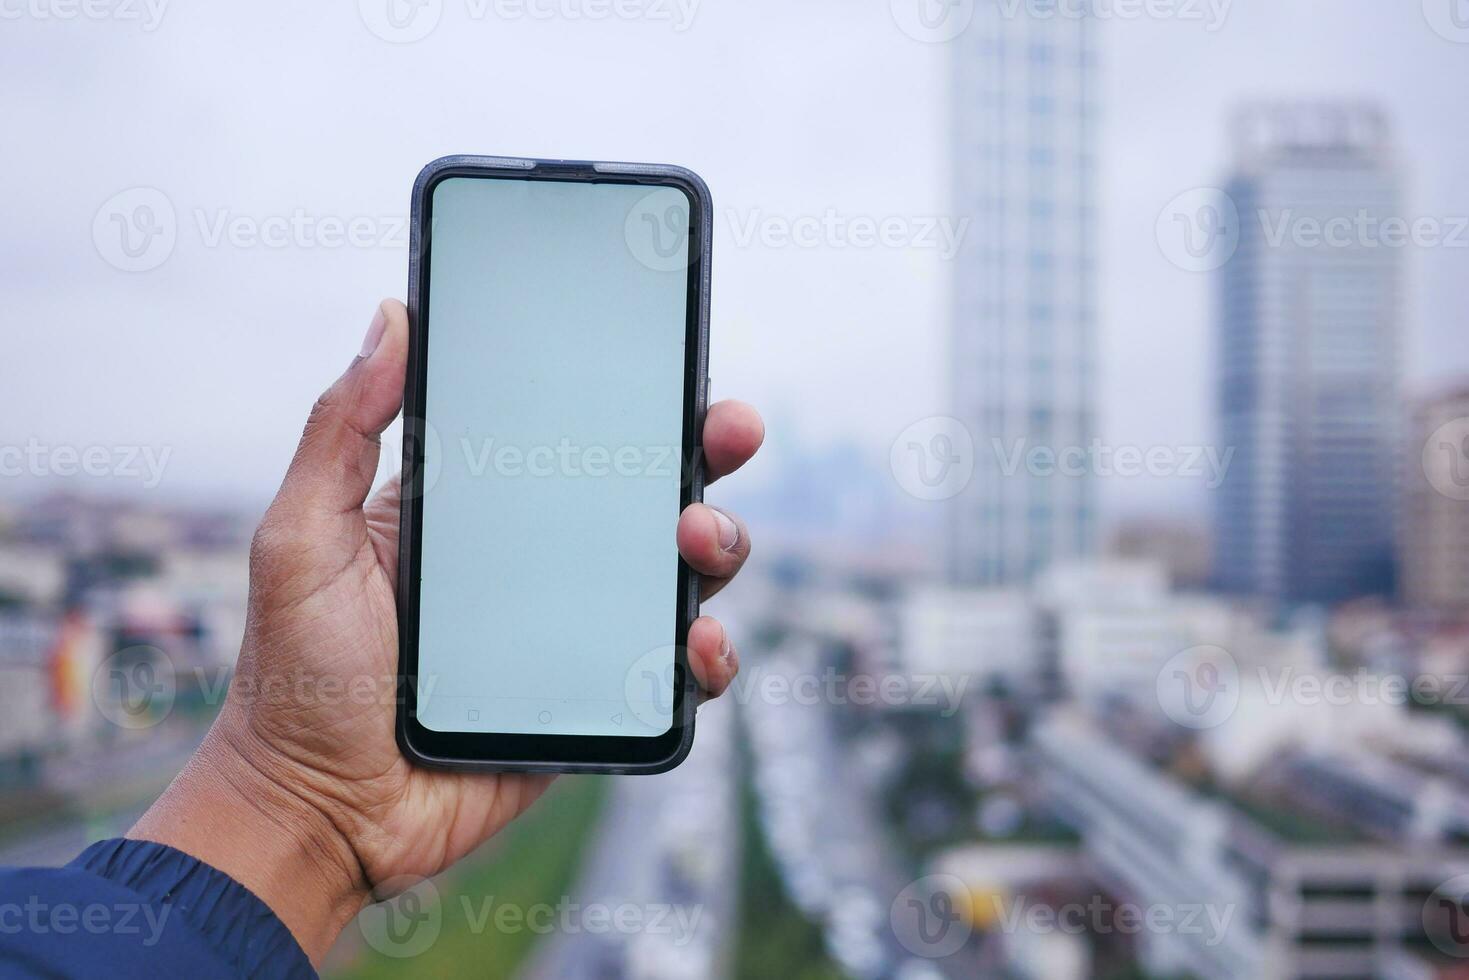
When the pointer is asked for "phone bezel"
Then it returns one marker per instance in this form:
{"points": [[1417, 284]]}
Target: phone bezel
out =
{"points": [[530, 752]]}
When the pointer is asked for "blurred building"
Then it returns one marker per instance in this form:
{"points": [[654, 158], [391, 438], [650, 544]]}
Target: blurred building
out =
{"points": [[1004, 884], [1111, 625], [1111, 583], [27, 696], [83, 580], [1280, 893], [31, 575], [989, 634], [1309, 356], [1426, 649], [1084, 626], [1182, 549], [1434, 550], [1024, 316], [46, 666]]}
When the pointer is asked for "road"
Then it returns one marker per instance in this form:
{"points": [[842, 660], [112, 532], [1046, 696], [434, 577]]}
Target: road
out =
{"points": [[825, 831], [666, 851]]}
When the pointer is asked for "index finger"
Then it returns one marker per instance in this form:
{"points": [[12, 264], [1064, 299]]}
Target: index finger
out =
{"points": [[732, 433]]}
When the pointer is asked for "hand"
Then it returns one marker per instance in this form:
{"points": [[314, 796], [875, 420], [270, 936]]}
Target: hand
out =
{"points": [[299, 791]]}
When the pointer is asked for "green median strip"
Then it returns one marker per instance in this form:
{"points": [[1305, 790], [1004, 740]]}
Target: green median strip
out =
{"points": [[773, 938]]}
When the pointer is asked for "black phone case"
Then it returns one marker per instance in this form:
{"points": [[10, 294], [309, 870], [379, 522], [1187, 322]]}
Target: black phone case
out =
{"points": [[419, 241]]}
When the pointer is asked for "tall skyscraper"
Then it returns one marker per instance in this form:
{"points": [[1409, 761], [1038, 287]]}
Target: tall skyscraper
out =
{"points": [[1308, 356], [1434, 548], [1022, 355]]}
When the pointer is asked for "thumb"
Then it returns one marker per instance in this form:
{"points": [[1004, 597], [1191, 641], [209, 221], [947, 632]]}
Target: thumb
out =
{"points": [[334, 465]]}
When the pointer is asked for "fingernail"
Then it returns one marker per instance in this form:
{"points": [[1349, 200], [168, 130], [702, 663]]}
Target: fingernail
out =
{"points": [[725, 649], [729, 532], [375, 333]]}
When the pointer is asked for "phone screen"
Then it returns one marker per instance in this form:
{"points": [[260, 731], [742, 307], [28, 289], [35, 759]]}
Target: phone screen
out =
{"points": [[555, 318]]}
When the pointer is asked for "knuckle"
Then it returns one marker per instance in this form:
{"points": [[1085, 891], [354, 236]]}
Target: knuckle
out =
{"points": [[280, 553], [262, 543], [275, 538], [323, 410]]}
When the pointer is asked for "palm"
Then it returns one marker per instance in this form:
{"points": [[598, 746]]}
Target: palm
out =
{"points": [[461, 809], [415, 821]]}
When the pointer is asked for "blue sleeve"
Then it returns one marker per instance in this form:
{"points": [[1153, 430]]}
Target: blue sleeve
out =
{"points": [[127, 908]]}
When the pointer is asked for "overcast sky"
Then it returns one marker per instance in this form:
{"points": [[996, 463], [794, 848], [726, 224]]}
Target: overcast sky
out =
{"points": [[240, 114]]}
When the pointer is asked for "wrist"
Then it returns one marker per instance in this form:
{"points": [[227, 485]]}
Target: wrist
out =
{"points": [[236, 809]]}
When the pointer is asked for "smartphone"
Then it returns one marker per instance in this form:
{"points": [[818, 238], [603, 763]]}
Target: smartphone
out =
{"points": [[553, 409]]}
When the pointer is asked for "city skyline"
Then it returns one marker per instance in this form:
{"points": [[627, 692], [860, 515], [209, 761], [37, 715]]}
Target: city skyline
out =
{"points": [[279, 315]]}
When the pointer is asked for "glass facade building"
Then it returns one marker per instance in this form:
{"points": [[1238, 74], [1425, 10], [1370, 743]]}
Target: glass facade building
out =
{"points": [[1022, 351], [1309, 356]]}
